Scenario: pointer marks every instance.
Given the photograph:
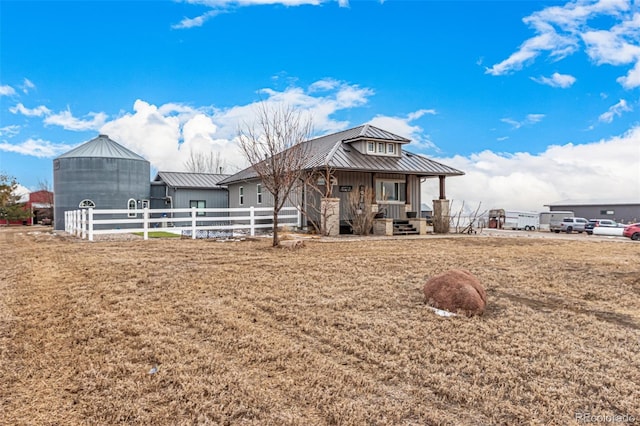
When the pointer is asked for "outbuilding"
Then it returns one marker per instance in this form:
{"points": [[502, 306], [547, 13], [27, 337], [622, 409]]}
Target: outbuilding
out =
{"points": [[619, 211], [99, 173]]}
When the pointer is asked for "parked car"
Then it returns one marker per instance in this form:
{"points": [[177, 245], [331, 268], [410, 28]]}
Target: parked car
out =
{"points": [[570, 224], [607, 223], [632, 231]]}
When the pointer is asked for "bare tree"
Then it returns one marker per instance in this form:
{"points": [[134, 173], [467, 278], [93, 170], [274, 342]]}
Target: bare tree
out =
{"points": [[319, 185], [273, 146], [361, 214], [202, 162]]}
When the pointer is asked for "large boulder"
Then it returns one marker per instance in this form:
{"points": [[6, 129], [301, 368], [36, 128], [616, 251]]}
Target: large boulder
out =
{"points": [[456, 290]]}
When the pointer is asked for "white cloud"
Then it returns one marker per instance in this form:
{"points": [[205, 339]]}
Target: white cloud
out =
{"points": [[530, 119], [615, 110], [27, 85], [223, 6], [563, 30], [198, 21], [166, 135], [67, 121], [38, 111], [402, 126], [556, 80], [9, 131], [605, 169], [6, 90], [36, 148]]}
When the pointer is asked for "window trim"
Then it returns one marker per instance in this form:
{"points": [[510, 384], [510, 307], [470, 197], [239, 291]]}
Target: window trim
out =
{"points": [[391, 148], [86, 204], [259, 193], [132, 210], [241, 196], [197, 206], [401, 195]]}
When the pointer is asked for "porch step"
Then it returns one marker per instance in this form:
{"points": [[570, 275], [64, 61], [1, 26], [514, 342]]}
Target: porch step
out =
{"points": [[402, 227]]}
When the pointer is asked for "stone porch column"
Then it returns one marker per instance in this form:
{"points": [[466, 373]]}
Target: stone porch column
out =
{"points": [[441, 214], [330, 216]]}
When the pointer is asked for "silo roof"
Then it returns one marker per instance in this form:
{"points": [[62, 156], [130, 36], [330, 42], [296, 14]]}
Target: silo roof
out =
{"points": [[102, 147]]}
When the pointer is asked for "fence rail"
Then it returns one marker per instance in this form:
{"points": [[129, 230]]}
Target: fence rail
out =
{"points": [[86, 223]]}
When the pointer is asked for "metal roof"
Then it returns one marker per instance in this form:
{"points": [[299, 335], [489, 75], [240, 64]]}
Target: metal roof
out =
{"points": [[190, 180], [600, 202], [102, 147], [335, 151]]}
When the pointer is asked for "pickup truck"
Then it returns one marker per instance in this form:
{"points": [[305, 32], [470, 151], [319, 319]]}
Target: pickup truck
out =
{"points": [[570, 224]]}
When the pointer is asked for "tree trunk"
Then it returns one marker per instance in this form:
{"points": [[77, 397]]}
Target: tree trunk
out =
{"points": [[275, 228]]}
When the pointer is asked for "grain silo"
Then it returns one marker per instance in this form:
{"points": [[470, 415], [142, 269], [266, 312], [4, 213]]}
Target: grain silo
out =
{"points": [[99, 173]]}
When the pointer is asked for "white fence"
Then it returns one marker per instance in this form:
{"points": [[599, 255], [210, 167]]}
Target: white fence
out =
{"points": [[86, 223]]}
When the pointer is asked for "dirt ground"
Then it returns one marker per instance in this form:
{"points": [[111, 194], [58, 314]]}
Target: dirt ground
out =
{"points": [[171, 331]]}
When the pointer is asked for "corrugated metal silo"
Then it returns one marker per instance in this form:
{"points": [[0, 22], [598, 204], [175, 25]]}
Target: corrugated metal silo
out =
{"points": [[101, 172]]}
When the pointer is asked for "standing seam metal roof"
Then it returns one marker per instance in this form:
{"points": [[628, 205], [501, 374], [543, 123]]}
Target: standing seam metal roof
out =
{"points": [[335, 151], [190, 180], [102, 147]]}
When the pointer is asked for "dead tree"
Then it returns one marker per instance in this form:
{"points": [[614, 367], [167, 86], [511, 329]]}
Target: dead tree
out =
{"points": [[360, 210], [273, 145], [202, 162], [318, 185]]}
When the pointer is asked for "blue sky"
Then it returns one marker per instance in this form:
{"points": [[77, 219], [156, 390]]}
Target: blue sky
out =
{"points": [[536, 101]]}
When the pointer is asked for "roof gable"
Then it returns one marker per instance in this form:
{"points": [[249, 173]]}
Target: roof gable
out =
{"points": [[334, 151]]}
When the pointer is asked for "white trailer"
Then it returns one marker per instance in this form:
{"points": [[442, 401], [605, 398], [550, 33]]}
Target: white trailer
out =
{"points": [[550, 221], [514, 219], [521, 220]]}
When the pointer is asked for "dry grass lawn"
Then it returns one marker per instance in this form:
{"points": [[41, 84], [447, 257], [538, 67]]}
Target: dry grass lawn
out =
{"points": [[334, 333]]}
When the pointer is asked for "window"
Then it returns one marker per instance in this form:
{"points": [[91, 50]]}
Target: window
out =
{"points": [[241, 200], [85, 204], [131, 205], [145, 204], [371, 147], [259, 192], [198, 204], [391, 148], [607, 212], [380, 148], [390, 190]]}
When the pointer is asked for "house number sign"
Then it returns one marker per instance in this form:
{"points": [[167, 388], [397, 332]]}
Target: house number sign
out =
{"points": [[346, 188]]}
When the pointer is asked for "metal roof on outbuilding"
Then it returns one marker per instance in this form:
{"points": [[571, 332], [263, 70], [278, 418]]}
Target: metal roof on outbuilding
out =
{"points": [[102, 147], [335, 151], [190, 180]]}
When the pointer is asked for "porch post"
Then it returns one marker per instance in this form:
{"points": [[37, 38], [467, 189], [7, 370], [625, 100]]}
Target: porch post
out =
{"points": [[330, 216], [442, 191], [441, 216]]}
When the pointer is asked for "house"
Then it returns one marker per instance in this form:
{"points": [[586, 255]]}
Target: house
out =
{"points": [[620, 211], [177, 190], [361, 158]]}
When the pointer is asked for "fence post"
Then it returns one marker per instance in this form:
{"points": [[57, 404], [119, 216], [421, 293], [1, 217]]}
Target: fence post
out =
{"points": [[90, 223], [145, 222], [299, 213], [76, 224], [193, 223], [83, 223], [252, 221]]}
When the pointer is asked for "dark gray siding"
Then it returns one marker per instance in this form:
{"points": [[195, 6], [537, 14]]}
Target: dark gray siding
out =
{"points": [[108, 182], [624, 213], [213, 198]]}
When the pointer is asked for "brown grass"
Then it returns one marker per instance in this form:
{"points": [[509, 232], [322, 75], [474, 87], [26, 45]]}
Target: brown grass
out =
{"points": [[334, 333]]}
